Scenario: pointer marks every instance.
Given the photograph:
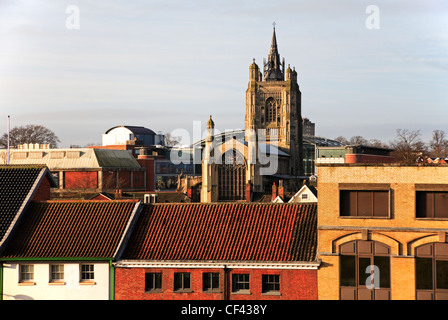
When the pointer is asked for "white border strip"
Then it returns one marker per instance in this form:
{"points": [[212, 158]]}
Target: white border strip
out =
{"points": [[217, 264]]}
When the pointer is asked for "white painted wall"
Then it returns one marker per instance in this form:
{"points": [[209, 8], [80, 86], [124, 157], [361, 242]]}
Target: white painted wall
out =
{"points": [[117, 136], [43, 290]]}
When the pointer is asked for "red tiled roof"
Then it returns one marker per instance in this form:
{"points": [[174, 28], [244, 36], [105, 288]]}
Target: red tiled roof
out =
{"points": [[70, 229], [233, 231]]}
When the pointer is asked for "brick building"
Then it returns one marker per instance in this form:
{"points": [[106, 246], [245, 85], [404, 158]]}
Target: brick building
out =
{"points": [[84, 169], [389, 216], [63, 250], [232, 251]]}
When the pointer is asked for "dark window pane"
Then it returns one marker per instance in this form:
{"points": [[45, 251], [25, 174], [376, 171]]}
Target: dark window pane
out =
{"points": [[240, 282], [424, 204], [363, 263], [215, 280], [270, 282], [441, 204], [181, 281], [348, 203], [186, 280], [206, 285], [348, 271], [423, 270], [365, 203], [210, 281], [383, 264], [442, 274], [153, 281], [381, 203]]}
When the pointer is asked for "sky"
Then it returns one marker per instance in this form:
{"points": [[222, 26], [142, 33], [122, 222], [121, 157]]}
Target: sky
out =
{"points": [[82, 67]]}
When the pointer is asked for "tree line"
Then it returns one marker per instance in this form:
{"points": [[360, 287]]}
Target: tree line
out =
{"points": [[408, 146]]}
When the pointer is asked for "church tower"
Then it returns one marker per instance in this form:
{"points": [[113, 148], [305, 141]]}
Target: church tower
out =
{"points": [[273, 103]]}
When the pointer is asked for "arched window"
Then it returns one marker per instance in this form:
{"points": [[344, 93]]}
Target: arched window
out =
{"points": [[271, 110], [232, 176], [431, 271], [364, 271]]}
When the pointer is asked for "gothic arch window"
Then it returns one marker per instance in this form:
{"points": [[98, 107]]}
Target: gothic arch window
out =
{"points": [[431, 271], [356, 260], [232, 176], [271, 110]]}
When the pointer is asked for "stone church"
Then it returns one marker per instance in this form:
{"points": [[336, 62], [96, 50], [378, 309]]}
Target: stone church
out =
{"points": [[269, 151]]}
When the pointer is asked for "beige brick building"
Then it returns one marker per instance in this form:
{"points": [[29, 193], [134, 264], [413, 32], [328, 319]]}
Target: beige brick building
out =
{"points": [[389, 216]]}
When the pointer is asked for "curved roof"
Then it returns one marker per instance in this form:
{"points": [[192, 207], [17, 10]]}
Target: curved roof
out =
{"points": [[135, 130]]}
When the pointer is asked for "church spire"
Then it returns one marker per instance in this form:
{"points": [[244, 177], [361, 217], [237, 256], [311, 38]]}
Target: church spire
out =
{"points": [[273, 68]]}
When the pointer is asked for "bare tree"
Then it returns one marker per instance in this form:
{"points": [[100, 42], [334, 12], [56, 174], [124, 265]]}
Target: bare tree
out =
{"points": [[171, 141], [377, 143], [342, 140], [30, 134], [438, 146], [357, 140], [408, 146]]}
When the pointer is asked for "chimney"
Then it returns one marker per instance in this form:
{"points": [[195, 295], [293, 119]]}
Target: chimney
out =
{"points": [[281, 190], [274, 191], [248, 192]]}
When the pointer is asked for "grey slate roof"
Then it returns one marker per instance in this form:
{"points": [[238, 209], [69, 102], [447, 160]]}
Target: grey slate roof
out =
{"points": [[17, 184]]}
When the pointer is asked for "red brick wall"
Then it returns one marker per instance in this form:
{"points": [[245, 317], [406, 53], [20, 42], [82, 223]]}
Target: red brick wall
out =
{"points": [[148, 163], [294, 284], [138, 179], [124, 179], [80, 180], [43, 191], [109, 180], [367, 158]]}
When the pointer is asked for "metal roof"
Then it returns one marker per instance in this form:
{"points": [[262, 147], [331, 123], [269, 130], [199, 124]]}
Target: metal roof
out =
{"points": [[71, 158], [135, 130]]}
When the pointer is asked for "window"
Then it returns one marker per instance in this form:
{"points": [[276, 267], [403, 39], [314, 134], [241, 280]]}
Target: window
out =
{"points": [[270, 283], [57, 273], [431, 271], [87, 272], [240, 283], [153, 281], [26, 273], [210, 281], [356, 274], [182, 281], [304, 196], [431, 204], [364, 203], [271, 110]]}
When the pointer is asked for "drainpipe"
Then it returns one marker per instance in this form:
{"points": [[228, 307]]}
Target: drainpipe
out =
{"points": [[226, 283], [112, 275], [1, 281]]}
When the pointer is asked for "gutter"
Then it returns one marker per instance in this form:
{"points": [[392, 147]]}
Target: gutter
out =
{"points": [[313, 265]]}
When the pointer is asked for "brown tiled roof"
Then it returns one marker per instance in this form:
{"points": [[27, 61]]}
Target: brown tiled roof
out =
{"points": [[70, 229], [232, 231]]}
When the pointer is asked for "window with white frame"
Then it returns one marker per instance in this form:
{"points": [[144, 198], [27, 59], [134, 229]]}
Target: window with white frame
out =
{"points": [[26, 273], [87, 272], [57, 273]]}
